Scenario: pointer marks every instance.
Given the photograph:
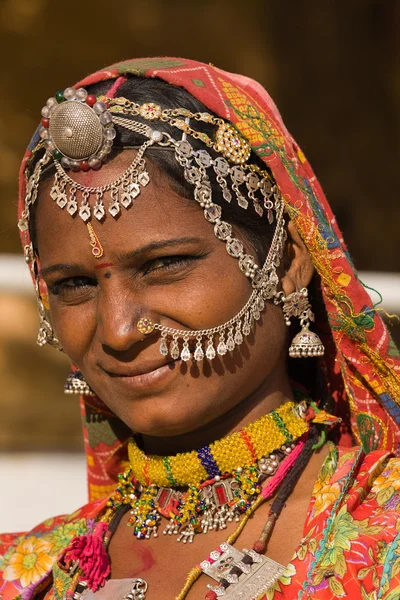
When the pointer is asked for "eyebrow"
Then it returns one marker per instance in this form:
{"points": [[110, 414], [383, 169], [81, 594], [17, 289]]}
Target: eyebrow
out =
{"points": [[60, 267], [122, 257], [125, 256]]}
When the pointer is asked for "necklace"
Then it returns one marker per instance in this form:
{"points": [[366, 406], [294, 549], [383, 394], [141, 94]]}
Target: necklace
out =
{"points": [[242, 448], [239, 574], [204, 489], [246, 573]]}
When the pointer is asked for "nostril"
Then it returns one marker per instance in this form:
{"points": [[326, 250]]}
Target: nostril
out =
{"points": [[128, 350]]}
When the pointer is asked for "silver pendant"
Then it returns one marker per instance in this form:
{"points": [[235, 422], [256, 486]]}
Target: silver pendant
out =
{"points": [[255, 578]]}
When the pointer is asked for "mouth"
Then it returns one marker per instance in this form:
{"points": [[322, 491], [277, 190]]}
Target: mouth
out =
{"points": [[145, 376]]}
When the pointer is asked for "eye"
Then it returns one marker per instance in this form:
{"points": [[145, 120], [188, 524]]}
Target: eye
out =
{"points": [[72, 286], [168, 263]]}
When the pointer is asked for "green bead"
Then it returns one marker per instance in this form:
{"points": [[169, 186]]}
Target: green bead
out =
{"points": [[60, 96], [57, 155]]}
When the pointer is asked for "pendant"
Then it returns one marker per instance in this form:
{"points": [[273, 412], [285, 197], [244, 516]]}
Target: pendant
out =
{"points": [[240, 575]]}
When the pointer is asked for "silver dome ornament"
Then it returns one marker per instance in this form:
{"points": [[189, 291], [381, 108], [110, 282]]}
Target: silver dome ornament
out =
{"points": [[77, 384], [306, 343], [78, 129]]}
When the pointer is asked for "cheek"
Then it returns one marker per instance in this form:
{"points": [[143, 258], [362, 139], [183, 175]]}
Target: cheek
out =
{"points": [[270, 337], [74, 327], [212, 294]]}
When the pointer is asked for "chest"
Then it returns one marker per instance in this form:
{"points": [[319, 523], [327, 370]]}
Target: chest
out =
{"points": [[165, 564]]}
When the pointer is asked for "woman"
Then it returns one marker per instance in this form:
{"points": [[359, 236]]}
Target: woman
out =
{"points": [[174, 230]]}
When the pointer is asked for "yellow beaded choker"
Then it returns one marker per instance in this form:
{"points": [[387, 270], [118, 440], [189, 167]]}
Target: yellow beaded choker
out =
{"points": [[237, 450]]}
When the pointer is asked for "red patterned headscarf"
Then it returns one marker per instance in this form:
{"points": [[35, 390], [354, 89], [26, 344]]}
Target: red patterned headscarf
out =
{"points": [[361, 365]]}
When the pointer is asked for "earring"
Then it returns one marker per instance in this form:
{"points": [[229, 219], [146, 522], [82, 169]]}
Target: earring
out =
{"points": [[46, 333], [76, 384], [306, 343]]}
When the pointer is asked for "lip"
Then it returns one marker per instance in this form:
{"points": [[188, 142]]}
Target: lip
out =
{"points": [[145, 376]]}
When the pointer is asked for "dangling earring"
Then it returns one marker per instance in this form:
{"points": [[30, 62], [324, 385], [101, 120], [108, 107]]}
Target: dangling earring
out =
{"points": [[76, 384], [46, 333], [306, 343]]}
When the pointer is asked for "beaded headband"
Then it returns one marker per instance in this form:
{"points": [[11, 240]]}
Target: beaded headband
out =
{"points": [[77, 132]]}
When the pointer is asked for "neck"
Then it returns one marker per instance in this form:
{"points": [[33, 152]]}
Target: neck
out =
{"points": [[269, 396]]}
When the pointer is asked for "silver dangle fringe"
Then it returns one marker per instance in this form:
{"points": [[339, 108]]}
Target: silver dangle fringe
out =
{"points": [[123, 190]]}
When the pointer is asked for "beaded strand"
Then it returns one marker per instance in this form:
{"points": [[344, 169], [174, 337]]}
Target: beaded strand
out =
{"points": [[226, 455]]}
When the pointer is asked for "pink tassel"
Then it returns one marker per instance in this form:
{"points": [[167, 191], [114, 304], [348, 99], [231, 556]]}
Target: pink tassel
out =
{"points": [[269, 489], [91, 554]]}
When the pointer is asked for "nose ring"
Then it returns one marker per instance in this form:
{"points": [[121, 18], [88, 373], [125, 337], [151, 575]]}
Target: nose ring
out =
{"points": [[145, 325]]}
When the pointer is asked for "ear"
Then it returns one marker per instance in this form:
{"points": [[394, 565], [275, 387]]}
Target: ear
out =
{"points": [[299, 266]]}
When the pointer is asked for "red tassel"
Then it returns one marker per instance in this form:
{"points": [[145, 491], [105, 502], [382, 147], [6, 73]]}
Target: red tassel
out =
{"points": [[91, 554]]}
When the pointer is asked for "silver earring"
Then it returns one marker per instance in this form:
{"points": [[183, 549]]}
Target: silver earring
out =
{"points": [[77, 384], [306, 343], [46, 333]]}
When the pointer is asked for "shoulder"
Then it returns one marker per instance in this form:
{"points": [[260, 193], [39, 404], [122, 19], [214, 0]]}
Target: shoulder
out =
{"points": [[26, 559]]}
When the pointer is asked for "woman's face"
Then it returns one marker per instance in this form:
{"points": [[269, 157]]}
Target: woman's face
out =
{"points": [[161, 260]]}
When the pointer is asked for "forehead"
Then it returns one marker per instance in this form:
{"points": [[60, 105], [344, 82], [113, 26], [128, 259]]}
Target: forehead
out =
{"points": [[159, 212]]}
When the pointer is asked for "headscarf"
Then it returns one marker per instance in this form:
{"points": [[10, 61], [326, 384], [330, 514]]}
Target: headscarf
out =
{"points": [[361, 365]]}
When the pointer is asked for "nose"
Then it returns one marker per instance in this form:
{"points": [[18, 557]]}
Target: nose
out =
{"points": [[117, 316]]}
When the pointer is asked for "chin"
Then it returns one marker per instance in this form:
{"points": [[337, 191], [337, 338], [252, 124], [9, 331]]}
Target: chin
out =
{"points": [[165, 415], [168, 405]]}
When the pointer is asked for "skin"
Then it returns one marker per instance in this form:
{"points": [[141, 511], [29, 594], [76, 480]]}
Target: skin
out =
{"points": [[162, 260]]}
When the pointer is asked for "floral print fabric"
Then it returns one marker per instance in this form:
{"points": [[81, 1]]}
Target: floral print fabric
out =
{"points": [[350, 548]]}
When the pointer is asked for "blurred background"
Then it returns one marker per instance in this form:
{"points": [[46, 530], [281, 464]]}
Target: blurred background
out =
{"points": [[333, 69]]}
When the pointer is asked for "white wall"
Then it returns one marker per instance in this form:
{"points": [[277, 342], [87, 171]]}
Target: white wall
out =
{"points": [[34, 487]]}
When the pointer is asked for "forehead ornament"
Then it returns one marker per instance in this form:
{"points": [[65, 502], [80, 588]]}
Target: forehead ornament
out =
{"points": [[97, 248], [65, 117]]}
